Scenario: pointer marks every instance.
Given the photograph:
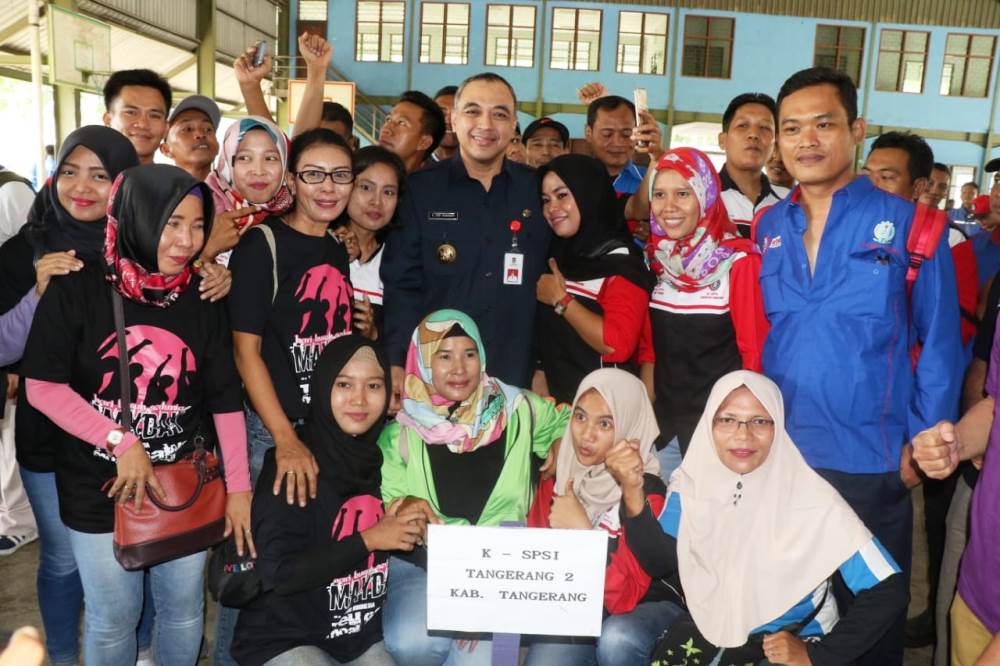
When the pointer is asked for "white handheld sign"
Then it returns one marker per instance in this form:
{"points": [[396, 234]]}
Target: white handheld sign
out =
{"points": [[515, 580]]}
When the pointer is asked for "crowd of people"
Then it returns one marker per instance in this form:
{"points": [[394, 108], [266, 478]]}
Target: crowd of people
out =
{"points": [[737, 374]]}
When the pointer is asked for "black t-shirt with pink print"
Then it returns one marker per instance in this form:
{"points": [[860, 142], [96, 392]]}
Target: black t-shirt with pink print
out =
{"points": [[180, 366], [311, 307]]}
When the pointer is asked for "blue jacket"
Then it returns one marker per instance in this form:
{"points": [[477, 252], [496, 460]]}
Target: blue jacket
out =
{"points": [[840, 338]]}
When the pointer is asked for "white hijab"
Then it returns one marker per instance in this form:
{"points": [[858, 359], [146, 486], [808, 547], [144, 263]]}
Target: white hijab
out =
{"points": [[748, 553], [629, 403]]}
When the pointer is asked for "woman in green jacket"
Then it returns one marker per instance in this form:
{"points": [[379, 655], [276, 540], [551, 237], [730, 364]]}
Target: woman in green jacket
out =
{"points": [[463, 450]]}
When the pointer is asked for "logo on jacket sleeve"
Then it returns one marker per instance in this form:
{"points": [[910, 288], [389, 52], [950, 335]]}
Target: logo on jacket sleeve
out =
{"points": [[884, 232]]}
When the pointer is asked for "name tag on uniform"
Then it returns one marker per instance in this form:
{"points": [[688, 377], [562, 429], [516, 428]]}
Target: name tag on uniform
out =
{"points": [[513, 268], [442, 216]]}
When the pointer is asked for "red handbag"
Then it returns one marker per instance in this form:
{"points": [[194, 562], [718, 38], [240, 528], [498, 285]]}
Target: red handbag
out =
{"points": [[191, 518]]}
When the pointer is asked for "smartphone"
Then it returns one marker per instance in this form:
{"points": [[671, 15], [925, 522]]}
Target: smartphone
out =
{"points": [[260, 52], [641, 106]]}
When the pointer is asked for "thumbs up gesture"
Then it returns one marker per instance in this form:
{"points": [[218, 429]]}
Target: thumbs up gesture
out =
{"points": [[935, 450], [567, 512], [551, 287]]}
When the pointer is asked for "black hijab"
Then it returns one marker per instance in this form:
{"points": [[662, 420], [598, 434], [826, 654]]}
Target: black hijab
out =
{"points": [[353, 463], [50, 227], [587, 254], [143, 201]]}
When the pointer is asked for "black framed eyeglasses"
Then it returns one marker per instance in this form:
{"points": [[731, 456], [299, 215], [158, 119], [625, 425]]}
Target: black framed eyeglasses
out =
{"points": [[315, 176], [756, 426]]}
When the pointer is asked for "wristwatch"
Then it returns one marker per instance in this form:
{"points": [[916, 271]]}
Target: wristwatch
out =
{"points": [[562, 304], [115, 438]]}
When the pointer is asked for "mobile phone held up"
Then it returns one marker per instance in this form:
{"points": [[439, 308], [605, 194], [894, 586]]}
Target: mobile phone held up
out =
{"points": [[641, 106], [259, 53]]}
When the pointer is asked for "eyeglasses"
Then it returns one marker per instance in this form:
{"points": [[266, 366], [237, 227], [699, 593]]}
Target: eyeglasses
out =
{"points": [[315, 176], [757, 426]]}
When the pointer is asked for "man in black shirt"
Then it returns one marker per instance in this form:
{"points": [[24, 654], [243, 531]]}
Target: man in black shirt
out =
{"points": [[413, 130], [456, 242]]}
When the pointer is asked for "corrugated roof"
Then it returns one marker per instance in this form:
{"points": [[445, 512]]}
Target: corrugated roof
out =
{"points": [[983, 14]]}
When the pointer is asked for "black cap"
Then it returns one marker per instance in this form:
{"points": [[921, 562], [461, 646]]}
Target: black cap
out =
{"points": [[233, 580], [992, 165], [545, 122]]}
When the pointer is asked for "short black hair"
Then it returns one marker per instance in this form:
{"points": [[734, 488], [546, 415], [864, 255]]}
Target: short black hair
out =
{"points": [[609, 103], [447, 90], [748, 98], [817, 76], [337, 113], [318, 136], [920, 158], [488, 77], [431, 117], [938, 166], [137, 77], [972, 184], [376, 154]]}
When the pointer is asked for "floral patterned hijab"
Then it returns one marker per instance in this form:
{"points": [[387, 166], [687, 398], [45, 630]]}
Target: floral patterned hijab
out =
{"points": [[706, 255]]}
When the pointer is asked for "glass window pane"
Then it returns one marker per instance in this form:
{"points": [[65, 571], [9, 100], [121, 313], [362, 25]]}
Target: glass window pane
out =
{"points": [[892, 40], [496, 44], [721, 28], [957, 44], [524, 16], [628, 58], [629, 22], [852, 64], [826, 35], [913, 76], [916, 42], [458, 14], [826, 58], [393, 12], [946, 73], [982, 45], [718, 58], [560, 54], [696, 26], [853, 38], [954, 67], [312, 10], [564, 18], [694, 59], [888, 70], [656, 24], [431, 41], [654, 54], [590, 19], [588, 50], [368, 11], [433, 12], [498, 15], [977, 78]]}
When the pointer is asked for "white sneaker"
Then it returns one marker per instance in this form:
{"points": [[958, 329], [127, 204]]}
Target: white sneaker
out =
{"points": [[9, 543]]}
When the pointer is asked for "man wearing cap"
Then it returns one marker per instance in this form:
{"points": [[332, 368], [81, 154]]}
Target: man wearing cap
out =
{"points": [[544, 140], [191, 142], [747, 136]]}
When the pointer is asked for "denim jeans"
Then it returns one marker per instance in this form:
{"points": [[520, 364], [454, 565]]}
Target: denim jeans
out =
{"points": [[309, 655], [60, 594], [115, 600], [259, 441], [625, 639], [404, 625]]}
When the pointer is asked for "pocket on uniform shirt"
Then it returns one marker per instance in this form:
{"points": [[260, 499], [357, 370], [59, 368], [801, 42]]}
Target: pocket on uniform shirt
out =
{"points": [[874, 276], [775, 299]]}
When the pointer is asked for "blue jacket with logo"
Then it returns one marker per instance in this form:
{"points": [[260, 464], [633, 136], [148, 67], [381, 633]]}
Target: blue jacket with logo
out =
{"points": [[840, 337]]}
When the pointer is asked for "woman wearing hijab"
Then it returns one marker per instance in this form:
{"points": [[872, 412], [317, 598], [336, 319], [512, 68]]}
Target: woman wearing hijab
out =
{"points": [[606, 454], [463, 451], [706, 314], [337, 546], [64, 229], [248, 182], [593, 303], [181, 370], [757, 539]]}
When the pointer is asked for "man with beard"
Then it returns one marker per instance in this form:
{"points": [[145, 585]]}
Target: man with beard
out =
{"points": [[747, 136], [191, 142], [445, 99], [456, 244]]}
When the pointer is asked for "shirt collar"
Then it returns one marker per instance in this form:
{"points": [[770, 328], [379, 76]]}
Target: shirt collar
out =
{"points": [[856, 189], [457, 170], [729, 184]]}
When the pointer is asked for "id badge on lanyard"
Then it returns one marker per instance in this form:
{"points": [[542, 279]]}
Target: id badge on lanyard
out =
{"points": [[513, 259]]}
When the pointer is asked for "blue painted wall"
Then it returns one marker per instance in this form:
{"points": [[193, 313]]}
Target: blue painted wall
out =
{"points": [[766, 50]]}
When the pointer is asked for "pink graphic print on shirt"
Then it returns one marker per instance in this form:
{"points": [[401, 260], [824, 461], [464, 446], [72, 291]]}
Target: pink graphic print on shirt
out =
{"points": [[324, 298], [354, 599], [161, 372]]}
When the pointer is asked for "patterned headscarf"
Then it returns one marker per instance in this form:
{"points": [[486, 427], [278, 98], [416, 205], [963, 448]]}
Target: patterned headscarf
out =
{"points": [[140, 204], [226, 196], [478, 420], [704, 256]]}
